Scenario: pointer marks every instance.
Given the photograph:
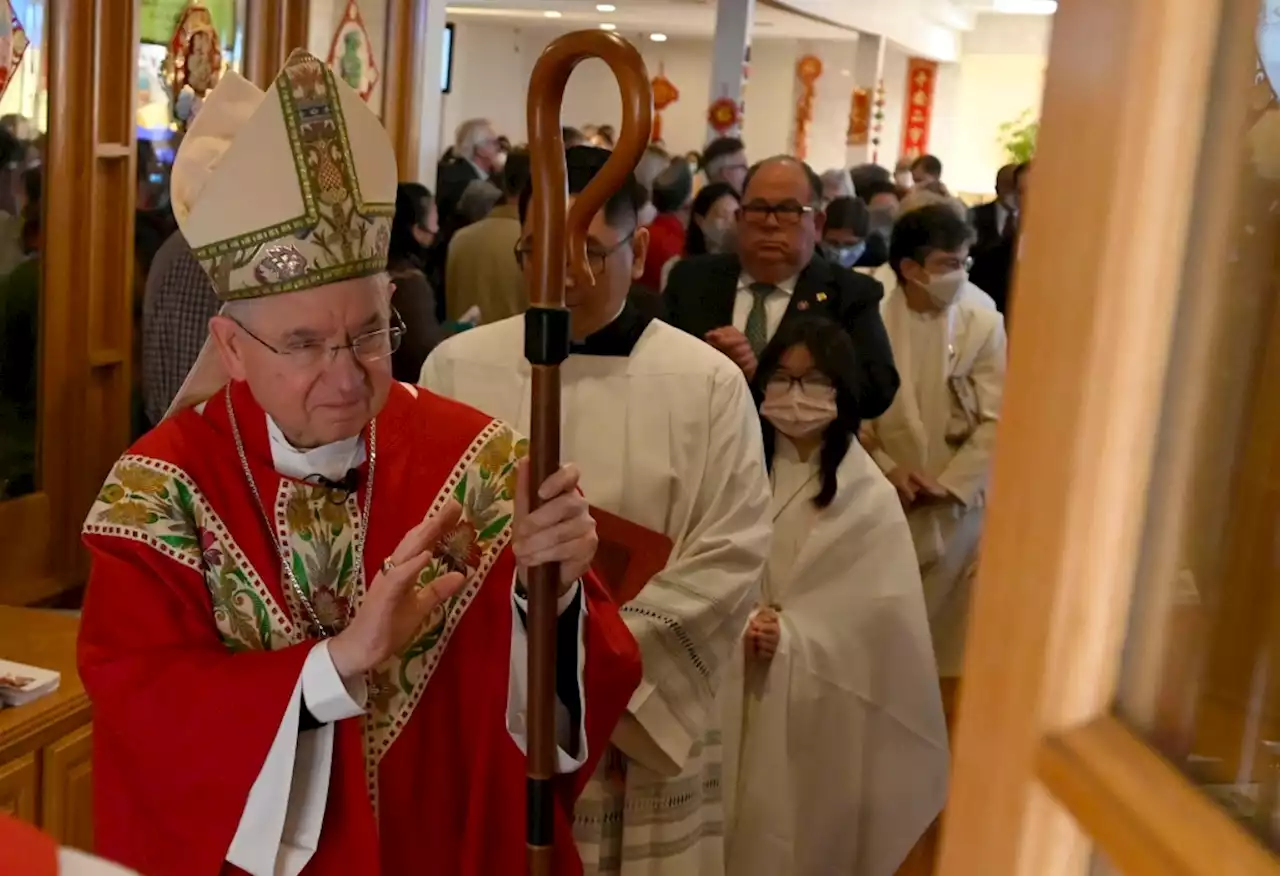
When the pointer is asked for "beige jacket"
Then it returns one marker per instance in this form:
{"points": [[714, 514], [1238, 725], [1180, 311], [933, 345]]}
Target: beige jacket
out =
{"points": [[481, 270]]}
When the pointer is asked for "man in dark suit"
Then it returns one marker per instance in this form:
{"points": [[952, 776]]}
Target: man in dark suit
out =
{"points": [[736, 303], [996, 227], [475, 158]]}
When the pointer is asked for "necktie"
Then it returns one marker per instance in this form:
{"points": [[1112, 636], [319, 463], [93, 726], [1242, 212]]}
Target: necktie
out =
{"points": [[1010, 226], [757, 323]]}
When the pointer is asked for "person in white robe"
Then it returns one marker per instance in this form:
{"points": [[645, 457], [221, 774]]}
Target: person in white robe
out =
{"points": [[665, 433], [935, 441], [835, 746]]}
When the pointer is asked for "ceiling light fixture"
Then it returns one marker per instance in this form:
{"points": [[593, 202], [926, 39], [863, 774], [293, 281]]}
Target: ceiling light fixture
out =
{"points": [[658, 37], [607, 26], [606, 7], [551, 13]]}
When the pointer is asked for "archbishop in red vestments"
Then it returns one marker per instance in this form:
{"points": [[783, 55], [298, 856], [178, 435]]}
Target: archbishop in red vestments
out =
{"points": [[191, 651], [302, 634]]}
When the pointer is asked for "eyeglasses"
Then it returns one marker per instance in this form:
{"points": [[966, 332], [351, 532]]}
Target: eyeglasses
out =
{"points": [[312, 355], [810, 384], [787, 213], [596, 256]]}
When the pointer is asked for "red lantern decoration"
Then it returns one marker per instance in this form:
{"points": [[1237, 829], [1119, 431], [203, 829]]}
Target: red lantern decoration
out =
{"points": [[808, 69], [665, 93], [722, 115]]}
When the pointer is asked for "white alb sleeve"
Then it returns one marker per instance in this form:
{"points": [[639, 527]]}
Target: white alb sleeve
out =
{"points": [[518, 690], [279, 829]]}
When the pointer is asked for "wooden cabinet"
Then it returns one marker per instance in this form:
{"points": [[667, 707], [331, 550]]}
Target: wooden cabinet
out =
{"points": [[46, 748]]}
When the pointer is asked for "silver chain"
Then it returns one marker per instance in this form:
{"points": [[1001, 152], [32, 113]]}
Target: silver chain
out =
{"points": [[285, 563]]}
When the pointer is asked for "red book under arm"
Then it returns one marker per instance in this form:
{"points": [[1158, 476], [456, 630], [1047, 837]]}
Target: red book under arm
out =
{"points": [[628, 556]]}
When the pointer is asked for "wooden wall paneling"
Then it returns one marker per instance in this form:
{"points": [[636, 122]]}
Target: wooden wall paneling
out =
{"points": [[67, 790], [263, 20], [1127, 87], [295, 16], [20, 788], [402, 87], [110, 262]]}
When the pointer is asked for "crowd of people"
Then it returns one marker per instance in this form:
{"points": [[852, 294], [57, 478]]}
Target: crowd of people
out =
{"points": [[793, 379]]}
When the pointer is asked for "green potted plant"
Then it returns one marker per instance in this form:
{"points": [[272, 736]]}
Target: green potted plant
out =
{"points": [[1018, 137]]}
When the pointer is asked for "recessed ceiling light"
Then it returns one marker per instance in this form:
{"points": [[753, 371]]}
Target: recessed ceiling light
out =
{"points": [[658, 37], [606, 7], [551, 13], [607, 26]]}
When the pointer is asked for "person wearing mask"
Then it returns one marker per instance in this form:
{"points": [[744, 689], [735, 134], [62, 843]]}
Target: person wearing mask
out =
{"points": [[482, 272], [628, 383], [413, 230], [996, 226], [476, 154], [935, 442], [737, 301], [725, 160], [847, 238], [672, 196], [654, 161], [711, 224], [926, 169], [884, 202], [837, 652]]}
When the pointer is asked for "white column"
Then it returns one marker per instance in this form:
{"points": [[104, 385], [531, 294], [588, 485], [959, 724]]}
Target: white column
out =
{"points": [[868, 69], [431, 103], [730, 56]]}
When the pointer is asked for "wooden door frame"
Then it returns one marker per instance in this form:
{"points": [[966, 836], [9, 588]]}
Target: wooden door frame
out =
{"points": [[1043, 773], [402, 89]]}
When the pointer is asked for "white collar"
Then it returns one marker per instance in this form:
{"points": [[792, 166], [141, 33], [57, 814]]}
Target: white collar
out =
{"points": [[483, 174], [788, 285], [329, 461]]}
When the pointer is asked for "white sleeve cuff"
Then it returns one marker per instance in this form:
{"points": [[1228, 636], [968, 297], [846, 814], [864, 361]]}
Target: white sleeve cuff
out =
{"points": [[518, 689], [327, 696], [279, 829]]}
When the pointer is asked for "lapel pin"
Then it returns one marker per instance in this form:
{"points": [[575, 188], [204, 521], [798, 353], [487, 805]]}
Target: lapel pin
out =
{"points": [[802, 305], [822, 296]]}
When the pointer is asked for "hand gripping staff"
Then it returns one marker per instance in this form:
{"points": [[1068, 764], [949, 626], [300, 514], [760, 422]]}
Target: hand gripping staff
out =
{"points": [[556, 242]]}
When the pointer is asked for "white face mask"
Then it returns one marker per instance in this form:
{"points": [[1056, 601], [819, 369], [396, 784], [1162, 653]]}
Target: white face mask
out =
{"points": [[944, 289], [719, 238], [798, 412]]}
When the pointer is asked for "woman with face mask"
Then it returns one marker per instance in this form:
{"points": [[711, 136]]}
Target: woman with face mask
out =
{"points": [[935, 441], [712, 220], [836, 671], [413, 231]]}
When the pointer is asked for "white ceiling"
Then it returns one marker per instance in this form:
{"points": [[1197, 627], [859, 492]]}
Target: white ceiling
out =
{"points": [[928, 27]]}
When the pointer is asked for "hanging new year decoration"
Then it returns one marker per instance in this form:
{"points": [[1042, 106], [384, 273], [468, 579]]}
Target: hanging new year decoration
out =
{"points": [[922, 76], [13, 45], [722, 115], [193, 65], [808, 69], [351, 54], [859, 118], [665, 93], [877, 122]]}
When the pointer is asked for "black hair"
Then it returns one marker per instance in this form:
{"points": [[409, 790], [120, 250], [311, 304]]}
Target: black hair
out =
{"points": [[719, 148], [866, 175], [695, 242], [1020, 170], [582, 164], [515, 173], [869, 191], [935, 228], [815, 181], [413, 204], [848, 214], [673, 187], [928, 164], [834, 355], [572, 136]]}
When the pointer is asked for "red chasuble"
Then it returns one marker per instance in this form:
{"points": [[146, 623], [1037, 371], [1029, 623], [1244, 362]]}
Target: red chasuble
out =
{"points": [[191, 648]]}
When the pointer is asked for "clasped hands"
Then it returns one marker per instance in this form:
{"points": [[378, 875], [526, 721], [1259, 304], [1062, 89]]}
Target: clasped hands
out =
{"points": [[559, 531], [764, 633], [734, 344]]}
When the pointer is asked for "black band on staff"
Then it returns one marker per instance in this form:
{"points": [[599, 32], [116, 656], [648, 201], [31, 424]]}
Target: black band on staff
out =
{"points": [[539, 822], [546, 335]]}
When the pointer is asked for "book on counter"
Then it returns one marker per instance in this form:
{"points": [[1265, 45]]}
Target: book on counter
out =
{"points": [[21, 684], [628, 554]]}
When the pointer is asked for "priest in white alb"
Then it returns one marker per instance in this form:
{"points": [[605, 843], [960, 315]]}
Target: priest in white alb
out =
{"points": [[667, 437]]}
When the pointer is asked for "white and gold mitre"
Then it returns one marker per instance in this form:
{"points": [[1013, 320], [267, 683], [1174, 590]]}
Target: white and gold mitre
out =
{"points": [[286, 190]]}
